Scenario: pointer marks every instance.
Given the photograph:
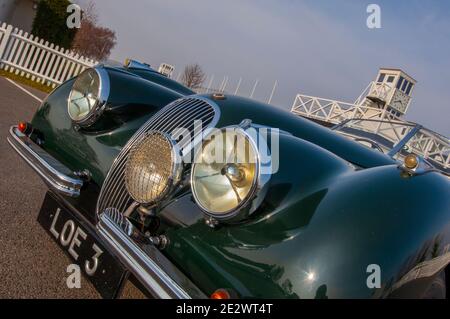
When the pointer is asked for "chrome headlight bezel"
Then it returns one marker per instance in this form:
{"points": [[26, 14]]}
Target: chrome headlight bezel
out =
{"points": [[101, 97], [175, 174], [259, 185]]}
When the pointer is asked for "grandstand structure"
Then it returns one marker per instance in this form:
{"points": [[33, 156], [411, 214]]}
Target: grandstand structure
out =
{"points": [[377, 115]]}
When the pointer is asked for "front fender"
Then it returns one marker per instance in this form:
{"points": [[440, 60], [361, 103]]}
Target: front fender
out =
{"points": [[321, 244], [373, 217], [132, 101]]}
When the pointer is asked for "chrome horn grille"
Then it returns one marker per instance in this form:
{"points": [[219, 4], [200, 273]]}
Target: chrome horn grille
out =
{"points": [[182, 113]]}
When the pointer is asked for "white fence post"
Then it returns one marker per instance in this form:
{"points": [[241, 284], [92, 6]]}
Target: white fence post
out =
{"points": [[4, 42], [37, 59]]}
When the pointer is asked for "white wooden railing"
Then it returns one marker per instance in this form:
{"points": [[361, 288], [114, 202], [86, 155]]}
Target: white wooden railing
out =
{"points": [[382, 91], [425, 142], [26, 55], [335, 112]]}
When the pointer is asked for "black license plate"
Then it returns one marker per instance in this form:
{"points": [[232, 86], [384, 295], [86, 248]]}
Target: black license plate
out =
{"points": [[80, 242]]}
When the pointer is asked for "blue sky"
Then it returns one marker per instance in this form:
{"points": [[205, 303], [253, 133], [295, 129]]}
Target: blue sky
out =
{"points": [[315, 47]]}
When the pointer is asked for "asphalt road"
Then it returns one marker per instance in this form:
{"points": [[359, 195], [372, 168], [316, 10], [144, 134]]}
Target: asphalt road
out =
{"points": [[31, 264]]}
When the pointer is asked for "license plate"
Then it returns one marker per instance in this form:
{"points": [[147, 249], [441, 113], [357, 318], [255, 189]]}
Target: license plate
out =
{"points": [[81, 243]]}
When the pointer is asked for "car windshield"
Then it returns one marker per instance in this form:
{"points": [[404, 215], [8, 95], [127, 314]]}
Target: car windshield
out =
{"points": [[398, 139]]}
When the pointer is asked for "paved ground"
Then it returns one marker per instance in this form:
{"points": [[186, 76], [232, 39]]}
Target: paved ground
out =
{"points": [[31, 264]]}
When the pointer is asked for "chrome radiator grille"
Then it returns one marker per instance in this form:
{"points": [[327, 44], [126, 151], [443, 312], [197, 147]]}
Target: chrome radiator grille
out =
{"points": [[179, 114]]}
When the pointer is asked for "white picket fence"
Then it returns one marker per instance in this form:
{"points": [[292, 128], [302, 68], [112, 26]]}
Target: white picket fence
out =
{"points": [[27, 55]]}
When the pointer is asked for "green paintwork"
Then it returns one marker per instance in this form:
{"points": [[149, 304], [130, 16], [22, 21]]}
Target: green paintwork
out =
{"points": [[156, 77], [320, 215], [323, 218]]}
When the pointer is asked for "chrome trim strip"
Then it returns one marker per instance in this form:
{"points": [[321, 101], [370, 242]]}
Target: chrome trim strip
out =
{"points": [[155, 272], [397, 148], [57, 176]]}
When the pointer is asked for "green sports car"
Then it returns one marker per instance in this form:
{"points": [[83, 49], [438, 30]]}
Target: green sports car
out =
{"points": [[219, 196]]}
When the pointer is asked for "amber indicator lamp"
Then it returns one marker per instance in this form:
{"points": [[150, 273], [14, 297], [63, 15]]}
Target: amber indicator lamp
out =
{"points": [[411, 161]]}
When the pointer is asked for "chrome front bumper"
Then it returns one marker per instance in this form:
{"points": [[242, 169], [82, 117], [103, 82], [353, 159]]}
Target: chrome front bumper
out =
{"points": [[57, 176], [155, 272]]}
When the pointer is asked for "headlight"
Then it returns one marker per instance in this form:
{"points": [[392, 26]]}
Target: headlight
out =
{"points": [[225, 174], [153, 166], [88, 96]]}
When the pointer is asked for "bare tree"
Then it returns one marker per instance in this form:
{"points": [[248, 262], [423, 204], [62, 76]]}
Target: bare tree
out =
{"points": [[90, 13], [92, 40], [193, 76]]}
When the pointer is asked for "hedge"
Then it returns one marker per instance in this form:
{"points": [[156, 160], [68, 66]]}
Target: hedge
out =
{"points": [[50, 23]]}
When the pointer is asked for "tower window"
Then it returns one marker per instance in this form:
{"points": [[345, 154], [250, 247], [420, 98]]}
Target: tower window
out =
{"points": [[399, 83], [408, 90], [405, 85], [390, 79], [381, 78]]}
